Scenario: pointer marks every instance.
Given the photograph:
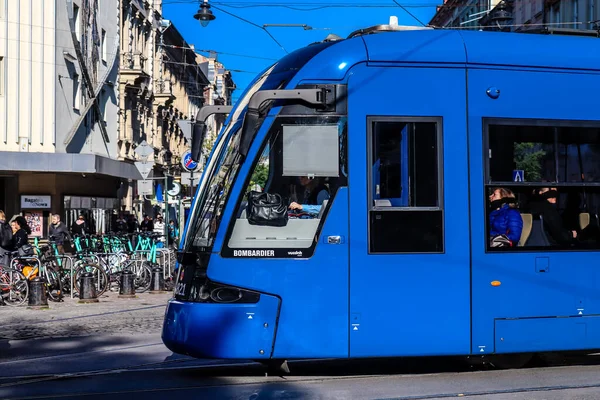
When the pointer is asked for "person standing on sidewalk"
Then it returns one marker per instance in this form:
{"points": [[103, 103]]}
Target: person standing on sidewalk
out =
{"points": [[59, 232], [6, 238]]}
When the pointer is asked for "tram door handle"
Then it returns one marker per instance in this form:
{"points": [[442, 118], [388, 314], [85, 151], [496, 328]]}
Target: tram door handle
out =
{"points": [[334, 240]]}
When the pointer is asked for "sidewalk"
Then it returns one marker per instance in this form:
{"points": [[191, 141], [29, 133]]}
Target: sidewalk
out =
{"points": [[110, 315], [72, 337]]}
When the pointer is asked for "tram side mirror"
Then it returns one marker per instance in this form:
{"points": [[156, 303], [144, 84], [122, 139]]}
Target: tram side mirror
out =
{"points": [[249, 129], [198, 135]]}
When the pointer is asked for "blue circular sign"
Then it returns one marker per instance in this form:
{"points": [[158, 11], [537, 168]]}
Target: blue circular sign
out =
{"points": [[187, 162]]}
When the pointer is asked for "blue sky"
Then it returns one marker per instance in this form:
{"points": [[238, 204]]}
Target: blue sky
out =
{"points": [[228, 34]]}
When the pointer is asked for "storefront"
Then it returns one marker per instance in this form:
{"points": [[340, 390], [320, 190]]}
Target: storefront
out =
{"points": [[36, 210], [64, 184], [99, 212]]}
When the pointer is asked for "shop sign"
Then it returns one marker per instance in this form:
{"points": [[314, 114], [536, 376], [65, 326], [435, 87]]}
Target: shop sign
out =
{"points": [[35, 201]]}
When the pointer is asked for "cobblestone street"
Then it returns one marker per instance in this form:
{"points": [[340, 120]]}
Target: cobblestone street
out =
{"points": [[111, 315]]}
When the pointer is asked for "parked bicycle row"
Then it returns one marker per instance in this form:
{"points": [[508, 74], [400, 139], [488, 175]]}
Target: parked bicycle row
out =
{"points": [[103, 256]]}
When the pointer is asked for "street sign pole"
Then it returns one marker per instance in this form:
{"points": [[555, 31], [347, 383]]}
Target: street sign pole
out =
{"points": [[166, 216]]}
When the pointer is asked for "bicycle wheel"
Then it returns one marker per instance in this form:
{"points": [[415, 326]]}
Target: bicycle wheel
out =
{"points": [[143, 278], [101, 280], [14, 289], [54, 286]]}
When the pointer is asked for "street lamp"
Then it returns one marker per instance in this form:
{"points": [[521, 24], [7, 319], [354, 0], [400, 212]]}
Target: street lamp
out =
{"points": [[204, 15]]}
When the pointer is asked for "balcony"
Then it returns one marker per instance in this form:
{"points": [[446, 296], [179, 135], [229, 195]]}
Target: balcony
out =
{"points": [[135, 64]]}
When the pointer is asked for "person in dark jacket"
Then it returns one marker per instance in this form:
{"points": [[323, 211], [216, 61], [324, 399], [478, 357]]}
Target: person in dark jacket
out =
{"points": [[79, 226], [6, 240], [545, 205], [21, 236], [505, 219], [58, 231]]}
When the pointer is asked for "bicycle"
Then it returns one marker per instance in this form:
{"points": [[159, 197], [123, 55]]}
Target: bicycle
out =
{"points": [[14, 290]]}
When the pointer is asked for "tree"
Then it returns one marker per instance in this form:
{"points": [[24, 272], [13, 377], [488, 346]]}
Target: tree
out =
{"points": [[259, 176], [528, 157]]}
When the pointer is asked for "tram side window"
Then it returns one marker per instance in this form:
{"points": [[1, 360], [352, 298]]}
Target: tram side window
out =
{"points": [[405, 213], [543, 178], [291, 186]]}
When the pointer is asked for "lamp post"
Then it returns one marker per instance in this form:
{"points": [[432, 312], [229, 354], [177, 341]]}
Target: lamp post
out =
{"points": [[204, 15], [167, 156]]}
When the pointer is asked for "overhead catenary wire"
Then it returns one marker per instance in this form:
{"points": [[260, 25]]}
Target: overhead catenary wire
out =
{"points": [[252, 23], [409, 13]]}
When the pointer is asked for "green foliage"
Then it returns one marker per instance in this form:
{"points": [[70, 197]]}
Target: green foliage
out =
{"points": [[528, 157], [259, 176]]}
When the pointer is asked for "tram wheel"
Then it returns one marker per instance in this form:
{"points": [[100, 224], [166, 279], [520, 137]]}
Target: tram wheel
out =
{"points": [[276, 366], [510, 361]]}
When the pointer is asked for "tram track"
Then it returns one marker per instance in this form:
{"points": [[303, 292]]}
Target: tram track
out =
{"points": [[297, 383]]}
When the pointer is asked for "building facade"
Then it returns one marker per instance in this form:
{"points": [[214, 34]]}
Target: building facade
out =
{"points": [[160, 85], [58, 108], [82, 84], [519, 15]]}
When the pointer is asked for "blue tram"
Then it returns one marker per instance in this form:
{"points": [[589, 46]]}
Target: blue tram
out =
{"points": [[345, 209]]}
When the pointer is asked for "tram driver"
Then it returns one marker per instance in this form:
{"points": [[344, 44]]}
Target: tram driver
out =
{"points": [[315, 192]]}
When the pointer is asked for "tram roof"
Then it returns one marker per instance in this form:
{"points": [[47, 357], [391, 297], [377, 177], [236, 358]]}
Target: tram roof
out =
{"points": [[472, 48]]}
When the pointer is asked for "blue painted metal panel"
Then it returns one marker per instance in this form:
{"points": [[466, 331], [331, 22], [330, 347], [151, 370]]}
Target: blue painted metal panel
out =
{"points": [[530, 50], [547, 334], [572, 280], [333, 63], [409, 304], [221, 330], [313, 320], [424, 46]]}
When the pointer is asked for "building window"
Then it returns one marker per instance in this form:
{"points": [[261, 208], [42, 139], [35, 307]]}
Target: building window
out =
{"points": [[77, 21], [549, 171], [103, 44], [76, 92], [555, 13], [405, 208]]}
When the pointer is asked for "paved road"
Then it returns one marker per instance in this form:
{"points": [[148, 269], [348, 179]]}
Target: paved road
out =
{"points": [[573, 382], [113, 348]]}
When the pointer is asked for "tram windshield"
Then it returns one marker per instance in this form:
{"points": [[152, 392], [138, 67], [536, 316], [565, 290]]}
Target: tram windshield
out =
{"points": [[226, 160]]}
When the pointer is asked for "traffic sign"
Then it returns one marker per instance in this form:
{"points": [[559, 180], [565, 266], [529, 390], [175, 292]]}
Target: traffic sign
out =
{"points": [[186, 178], [186, 128], [145, 187], [144, 150], [144, 167], [175, 189], [187, 163], [518, 175]]}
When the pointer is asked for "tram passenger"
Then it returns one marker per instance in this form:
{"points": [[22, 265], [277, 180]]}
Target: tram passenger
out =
{"points": [[544, 204], [505, 219], [311, 200]]}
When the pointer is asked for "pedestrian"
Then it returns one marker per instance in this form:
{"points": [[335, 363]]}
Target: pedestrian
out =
{"points": [[6, 239], [58, 232], [21, 237], [79, 226], [173, 234]]}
